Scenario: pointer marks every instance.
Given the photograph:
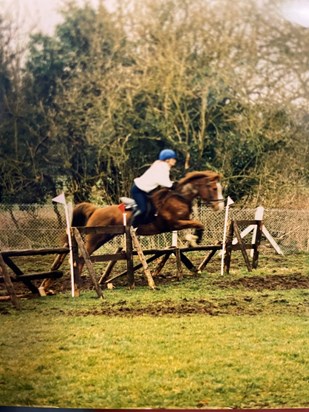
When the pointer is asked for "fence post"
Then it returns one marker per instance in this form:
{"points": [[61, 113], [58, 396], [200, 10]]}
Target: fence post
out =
{"points": [[8, 283], [129, 254], [141, 256], [87, 260]]}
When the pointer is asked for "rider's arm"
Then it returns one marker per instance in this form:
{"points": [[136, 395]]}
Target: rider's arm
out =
{"points": [[163, 174]]}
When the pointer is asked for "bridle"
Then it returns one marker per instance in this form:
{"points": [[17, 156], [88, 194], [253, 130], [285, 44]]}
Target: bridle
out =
{"points": [[208, 202], [220, 200]]}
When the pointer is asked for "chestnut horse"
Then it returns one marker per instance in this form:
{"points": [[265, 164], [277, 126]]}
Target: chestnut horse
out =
{"points": [[173, 209]]}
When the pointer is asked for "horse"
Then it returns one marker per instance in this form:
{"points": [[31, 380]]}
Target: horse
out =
{"points": [[173, 209]]}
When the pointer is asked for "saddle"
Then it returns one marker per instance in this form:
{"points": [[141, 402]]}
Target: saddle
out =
{"points": [[130, 204]]}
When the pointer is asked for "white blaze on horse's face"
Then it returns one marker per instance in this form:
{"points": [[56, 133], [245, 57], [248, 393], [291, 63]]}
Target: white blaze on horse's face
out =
{"points": [[220, 197]]}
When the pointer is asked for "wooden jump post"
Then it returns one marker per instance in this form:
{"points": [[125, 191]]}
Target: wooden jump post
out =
{"points": [[234, 230], [258, 229], [86, 258], [8, 283], [259, 214]]}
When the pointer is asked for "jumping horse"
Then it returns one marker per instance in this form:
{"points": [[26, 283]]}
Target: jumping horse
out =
{"points": [[173, 209]]}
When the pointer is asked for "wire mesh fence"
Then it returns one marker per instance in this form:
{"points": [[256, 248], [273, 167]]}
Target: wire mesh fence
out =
{"points": [[36, 226]]}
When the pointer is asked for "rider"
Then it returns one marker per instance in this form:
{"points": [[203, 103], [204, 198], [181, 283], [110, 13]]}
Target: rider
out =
{"points": [[157, 175]]}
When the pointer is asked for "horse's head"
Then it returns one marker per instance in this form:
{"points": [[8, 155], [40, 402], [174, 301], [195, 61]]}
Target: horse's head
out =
{"points": [[205, 185]]}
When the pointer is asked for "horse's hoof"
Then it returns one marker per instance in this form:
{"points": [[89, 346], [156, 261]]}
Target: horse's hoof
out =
{"points": [[76, 293], [42, 291], [191, 239]]}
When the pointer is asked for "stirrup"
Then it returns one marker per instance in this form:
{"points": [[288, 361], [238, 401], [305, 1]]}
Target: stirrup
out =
{"points": [[136, 213]]}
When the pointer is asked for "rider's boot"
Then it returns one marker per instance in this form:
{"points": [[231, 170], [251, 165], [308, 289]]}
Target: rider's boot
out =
{"points": [[136, 214]]}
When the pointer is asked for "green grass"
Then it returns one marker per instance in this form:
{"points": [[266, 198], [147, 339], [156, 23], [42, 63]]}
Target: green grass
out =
{"points": [[237, 341]]}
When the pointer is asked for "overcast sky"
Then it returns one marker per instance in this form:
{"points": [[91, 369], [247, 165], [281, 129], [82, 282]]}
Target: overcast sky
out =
{"points": [[38, 15], [42, 15]]}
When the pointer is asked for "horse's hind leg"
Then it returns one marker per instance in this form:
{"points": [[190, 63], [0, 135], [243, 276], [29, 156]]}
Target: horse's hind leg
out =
{"points": [[199, 234], [56, 265]]}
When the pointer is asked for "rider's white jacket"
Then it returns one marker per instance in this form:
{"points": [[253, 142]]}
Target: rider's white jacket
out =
{"points": [[157, 175]]}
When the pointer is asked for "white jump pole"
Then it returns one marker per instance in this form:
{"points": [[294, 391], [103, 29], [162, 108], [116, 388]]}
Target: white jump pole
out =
{"points": [[68, 215], [228, 203]]}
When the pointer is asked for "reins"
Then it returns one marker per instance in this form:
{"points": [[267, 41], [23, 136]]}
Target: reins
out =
{"points": [[214, 201]]}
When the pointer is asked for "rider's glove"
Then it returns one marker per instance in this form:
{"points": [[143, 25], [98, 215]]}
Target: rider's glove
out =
{"points": [[174, 185]]}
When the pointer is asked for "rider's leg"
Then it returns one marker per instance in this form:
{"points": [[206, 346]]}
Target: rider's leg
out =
{"points": [[140, 198]]}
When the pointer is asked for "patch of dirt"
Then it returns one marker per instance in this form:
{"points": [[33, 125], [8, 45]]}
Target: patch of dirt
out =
{"points": [[257, 283], [270, 282], [185, 307], [229, 304], [250, 282]]}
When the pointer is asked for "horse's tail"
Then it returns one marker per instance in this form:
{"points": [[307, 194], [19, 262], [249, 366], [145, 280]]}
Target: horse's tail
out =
{"points": [[81, 213]]}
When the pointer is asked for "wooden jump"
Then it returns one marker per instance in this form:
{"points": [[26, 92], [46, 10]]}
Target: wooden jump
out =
{"points": [[150, 255], [27, 278], [127, 254]]}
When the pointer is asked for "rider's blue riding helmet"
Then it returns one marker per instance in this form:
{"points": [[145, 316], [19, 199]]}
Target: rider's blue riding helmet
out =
{"points": [[167, 154]]}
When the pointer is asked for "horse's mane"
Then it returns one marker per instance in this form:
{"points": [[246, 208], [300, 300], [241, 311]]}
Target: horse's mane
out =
{"points": [[197, 175], [160, 196]]}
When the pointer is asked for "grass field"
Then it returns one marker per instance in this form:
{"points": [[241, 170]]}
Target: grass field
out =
{"points": [[212, 341]]}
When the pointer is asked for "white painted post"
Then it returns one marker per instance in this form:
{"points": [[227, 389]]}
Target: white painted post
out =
{"points": [[68, 208], [124, 220], [174, 238], [271, 240], [228, 203]]}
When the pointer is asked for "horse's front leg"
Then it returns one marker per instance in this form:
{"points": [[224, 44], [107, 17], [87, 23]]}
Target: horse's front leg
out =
{"points": [[188, 224], [192, 239]]}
